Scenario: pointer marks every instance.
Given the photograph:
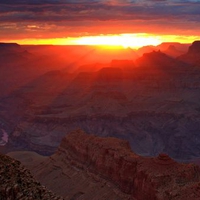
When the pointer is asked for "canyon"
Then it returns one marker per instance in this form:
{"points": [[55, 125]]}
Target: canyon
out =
{"points": [[86, 166], [152, 101], [145, 101]]}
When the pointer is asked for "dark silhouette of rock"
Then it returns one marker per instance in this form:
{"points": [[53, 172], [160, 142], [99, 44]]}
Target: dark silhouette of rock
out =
{"points": [[12, 54], [13, 46], [194, 48], [123, 64], [159, 60], [146, 49], [179, 46], [109, 74], [173, 51], [91, 68], [17, 183], [193, 54], [166, 47]]}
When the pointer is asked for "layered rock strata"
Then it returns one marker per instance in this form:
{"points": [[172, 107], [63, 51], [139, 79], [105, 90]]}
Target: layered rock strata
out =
{"points": [[142, 178]]}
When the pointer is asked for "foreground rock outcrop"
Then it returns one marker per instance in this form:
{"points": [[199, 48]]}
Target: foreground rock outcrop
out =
{"points": [[16, 183]]}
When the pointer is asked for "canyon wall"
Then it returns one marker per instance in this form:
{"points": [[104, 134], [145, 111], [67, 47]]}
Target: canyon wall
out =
{"points": [[142, 178]]}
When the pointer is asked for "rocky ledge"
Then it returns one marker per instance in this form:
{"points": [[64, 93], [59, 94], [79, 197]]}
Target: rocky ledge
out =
{"points": [[141, 178], [16, 183]]}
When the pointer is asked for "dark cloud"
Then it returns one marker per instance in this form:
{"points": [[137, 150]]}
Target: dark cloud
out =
{"points": [[55, 10], [61, 14]]}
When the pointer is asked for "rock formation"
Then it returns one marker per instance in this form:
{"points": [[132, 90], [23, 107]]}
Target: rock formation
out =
{"points": [[111, 161], [192, 56], [158, 59], [194, 48], [16, 183], [179, 46], [154, 104], [165, 47], [173, 51], [123, 64], [9, 46]]}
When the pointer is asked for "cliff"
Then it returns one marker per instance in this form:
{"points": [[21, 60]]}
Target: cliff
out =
{"points": [[17, 183], [159, 60], [192, 56], [159, 178], [9, 45], [194, 48]]}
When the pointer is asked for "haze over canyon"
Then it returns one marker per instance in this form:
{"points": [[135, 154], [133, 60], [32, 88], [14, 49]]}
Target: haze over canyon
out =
{"points": [[106, 123]]}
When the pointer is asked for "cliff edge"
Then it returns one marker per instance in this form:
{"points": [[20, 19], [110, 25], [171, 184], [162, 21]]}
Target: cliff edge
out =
{"points": [[90, 167], [16, 182], [140, 177]]}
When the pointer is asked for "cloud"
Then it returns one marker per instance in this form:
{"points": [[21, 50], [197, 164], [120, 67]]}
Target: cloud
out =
{"points": [[54, 10], [73, 16]]}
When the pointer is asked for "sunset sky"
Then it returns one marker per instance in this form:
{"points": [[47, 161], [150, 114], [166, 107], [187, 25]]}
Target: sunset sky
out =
{"points": [[70, 21]]}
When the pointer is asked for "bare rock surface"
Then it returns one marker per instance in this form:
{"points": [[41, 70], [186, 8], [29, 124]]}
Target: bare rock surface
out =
{"points": [[90, 167], [16, 183]]}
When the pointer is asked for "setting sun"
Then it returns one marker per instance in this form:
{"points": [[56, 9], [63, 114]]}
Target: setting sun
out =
{"points": [[125, 40]]}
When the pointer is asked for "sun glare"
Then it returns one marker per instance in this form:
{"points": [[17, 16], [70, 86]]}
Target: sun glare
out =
{"points": [[134, 41], [125, 40]]}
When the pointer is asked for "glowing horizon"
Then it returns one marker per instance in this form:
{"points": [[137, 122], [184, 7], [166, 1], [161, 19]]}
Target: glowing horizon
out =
{"points": [[124, 40], [99, 22]]}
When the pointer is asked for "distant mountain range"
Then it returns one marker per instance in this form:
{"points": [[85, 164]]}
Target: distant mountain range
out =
{"points": [[173, 49]]}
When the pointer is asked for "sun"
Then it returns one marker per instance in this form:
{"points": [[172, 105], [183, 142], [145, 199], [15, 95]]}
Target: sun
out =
{"points": [[126, 40]]}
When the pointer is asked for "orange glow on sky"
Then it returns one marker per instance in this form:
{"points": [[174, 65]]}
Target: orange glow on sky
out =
{"points": [[125, 40], [134, 41]]}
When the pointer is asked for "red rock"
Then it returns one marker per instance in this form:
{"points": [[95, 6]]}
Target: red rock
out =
{"points": [[142, 178]]}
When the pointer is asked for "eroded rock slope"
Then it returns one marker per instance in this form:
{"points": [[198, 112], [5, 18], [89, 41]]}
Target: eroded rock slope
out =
{"points": [[16, 183], [90, 166]]}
